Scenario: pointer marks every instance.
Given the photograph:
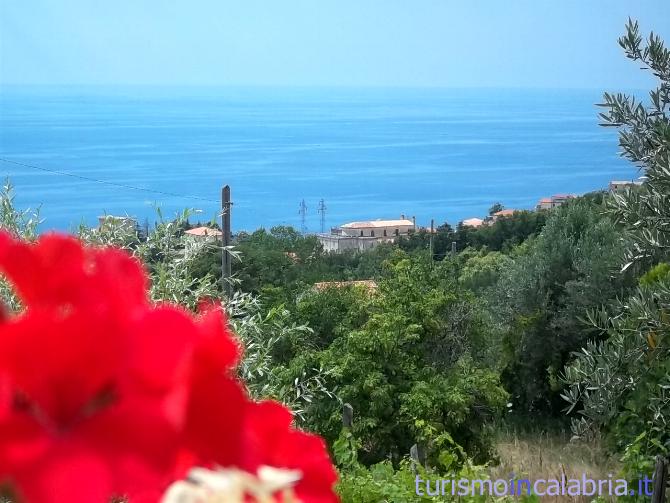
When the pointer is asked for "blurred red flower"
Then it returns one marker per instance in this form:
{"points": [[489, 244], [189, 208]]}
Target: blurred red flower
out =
{"points": [[104, 394]]}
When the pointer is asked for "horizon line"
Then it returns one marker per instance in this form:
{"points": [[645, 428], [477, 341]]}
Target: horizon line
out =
{"points": [[303, 86]]}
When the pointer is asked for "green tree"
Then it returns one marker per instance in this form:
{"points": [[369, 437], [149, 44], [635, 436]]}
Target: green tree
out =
{"points": [[411, 370], [644, 137], [496, 208], [571, 266], [620, 385]]}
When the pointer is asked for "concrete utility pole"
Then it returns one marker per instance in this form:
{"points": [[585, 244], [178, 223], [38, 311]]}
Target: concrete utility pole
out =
{"points": [[226, 270]]}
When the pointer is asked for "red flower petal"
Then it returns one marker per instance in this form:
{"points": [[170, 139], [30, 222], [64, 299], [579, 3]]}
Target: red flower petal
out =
{"points": [[162, 348], [70, 473], [270, 440], [61, 365], [217, 349], [214, 420], [58, 272]]}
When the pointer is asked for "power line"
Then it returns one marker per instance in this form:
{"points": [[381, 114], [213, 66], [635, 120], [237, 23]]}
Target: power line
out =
{"points": [[106, 182]]}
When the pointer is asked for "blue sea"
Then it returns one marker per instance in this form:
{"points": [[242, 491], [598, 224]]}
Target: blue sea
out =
{"points": [[369, 153]]}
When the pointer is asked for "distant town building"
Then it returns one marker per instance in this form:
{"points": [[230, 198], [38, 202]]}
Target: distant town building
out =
{"points": [[548, 203], [365, 235], [204, 234], [504, 213], [378, 228], [491, 219], [472, 222], [618, 185]]}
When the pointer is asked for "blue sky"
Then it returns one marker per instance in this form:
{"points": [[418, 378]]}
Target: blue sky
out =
{"points": [[467, 43]]}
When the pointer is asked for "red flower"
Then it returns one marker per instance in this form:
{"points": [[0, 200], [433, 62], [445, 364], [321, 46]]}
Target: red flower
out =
{"points": [[103, 393], [270, 440]]}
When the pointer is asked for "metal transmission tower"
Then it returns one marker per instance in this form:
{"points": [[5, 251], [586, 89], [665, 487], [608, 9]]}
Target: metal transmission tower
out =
{"points": [[303, 216], [322, 211]]}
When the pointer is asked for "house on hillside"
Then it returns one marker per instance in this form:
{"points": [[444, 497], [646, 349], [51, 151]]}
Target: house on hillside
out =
{"points": [[366, 234], [472, 222], [548, 203], [203, 234], [619, 185], [493, 218]]}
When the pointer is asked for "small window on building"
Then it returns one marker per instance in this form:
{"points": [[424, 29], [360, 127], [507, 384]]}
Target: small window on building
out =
{"points": [[361, 233], [397, 232], [372, 234], [384, 232]]}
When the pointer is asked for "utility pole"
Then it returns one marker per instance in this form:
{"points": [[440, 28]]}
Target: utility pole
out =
{"points": [[322, 212], [303, 216], [226, 269]]}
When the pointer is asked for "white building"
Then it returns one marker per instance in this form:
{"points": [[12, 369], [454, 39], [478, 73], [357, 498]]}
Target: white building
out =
{"points": [[378, 228], [365, 235]]}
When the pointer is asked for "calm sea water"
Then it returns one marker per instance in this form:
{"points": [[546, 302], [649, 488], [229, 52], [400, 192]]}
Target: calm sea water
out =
{"points": [[369, 153]]}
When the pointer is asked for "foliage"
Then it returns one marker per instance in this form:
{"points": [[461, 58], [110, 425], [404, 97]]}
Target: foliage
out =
{"points": [[409, 368], [261, 334], [503, 234], [644, 137], [621, 385], [482, 269], [19, 223], [572, 266], [657, 273], [496, 208], [406, 483], [280, 264]]}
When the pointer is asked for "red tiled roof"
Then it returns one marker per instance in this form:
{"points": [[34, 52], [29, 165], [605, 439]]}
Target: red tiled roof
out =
{"points": [[472, 222], [505, 213], [203, 231]]}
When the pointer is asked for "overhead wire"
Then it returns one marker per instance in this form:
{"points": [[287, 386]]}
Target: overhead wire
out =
{"points": [[105, 182]]}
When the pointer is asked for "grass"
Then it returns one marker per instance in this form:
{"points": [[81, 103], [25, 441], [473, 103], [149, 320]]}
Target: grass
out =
{"points": [[552, 455]]}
